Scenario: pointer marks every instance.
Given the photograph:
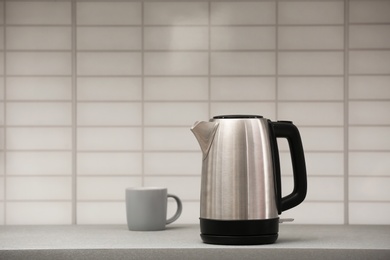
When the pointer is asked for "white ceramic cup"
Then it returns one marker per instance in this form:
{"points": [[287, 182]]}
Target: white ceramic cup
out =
{"points": [[146, 208]]}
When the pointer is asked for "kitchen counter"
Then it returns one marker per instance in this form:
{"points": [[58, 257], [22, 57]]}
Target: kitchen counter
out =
{"points": [[183, 242]]}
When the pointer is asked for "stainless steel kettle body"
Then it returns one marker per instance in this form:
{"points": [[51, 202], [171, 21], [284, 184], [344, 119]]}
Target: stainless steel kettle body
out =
{"points": [[241, 186]]}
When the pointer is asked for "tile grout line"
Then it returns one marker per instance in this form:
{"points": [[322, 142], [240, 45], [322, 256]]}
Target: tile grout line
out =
{"points": [[173, 101], [5, 113], [142, 95], [276, 59], [194, 51], [74, 111], [346, 112], [209, 61]]}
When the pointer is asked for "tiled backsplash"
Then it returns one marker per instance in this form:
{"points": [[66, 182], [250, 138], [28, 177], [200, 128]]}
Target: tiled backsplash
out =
{"points": [[98, 96]]}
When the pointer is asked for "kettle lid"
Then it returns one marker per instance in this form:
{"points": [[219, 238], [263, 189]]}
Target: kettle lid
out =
{"points": [[236, 116]]}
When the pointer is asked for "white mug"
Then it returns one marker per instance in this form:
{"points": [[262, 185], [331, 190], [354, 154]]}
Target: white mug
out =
{"points": [[146, 208]]}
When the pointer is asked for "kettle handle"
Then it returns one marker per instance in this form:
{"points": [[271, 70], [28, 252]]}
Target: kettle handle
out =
{"points": [[286, 129]]}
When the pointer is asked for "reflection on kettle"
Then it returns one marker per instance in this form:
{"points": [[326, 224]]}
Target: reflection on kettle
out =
{"points": [[241, 185]]}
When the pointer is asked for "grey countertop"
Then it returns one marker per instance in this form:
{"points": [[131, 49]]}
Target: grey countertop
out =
{"points": [[183, 242]]}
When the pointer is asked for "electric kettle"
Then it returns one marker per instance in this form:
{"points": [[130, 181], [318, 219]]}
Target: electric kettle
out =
{"points": [[241, 196]]}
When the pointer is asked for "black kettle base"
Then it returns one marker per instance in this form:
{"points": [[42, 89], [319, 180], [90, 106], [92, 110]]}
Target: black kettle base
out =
{"points": [[239, 240], [239, 232]]}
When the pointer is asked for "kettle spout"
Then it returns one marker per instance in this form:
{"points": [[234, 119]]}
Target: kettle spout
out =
{"points": [[204, 133]]}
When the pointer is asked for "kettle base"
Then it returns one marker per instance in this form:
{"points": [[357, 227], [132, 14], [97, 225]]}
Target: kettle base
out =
{"points": [[239, 240], [239, 232]]}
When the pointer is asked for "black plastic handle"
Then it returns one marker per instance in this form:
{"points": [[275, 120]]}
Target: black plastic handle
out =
{"points": [[286, 129]]}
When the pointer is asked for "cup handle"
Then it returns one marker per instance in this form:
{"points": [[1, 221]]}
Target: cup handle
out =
{"points": [[178, 211]]}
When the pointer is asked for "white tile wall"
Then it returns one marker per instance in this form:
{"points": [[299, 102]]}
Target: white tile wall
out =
{"points": [[186, 187], [176, 89], [109, 38], [30, 63], [378, 87], [30, 213], [369, 62], [369, 56], [38, 38], [53, 114], [109, 163], [97, 96], [103, 188], [158, 113], [37, 88], [38, 138], [369, 138], [242, 88], [38, 188], [175, 13], [368, 12], [242, 38], [311, 88], [107, 13], [375, 213], [39, 163], [328, 63], [38, 12], [176, 38], [175, 63], [172, 163], [242, 63], [109, 89], [107, 114], [101, 213], [379, 164], [108, 63], [369, 36], [248, 13], [164, 139], [331, 113], [223, 108], [316, 13], [109, 139], [311, 38]]}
